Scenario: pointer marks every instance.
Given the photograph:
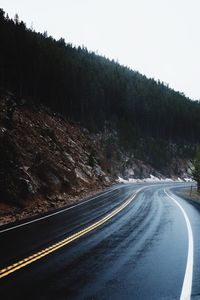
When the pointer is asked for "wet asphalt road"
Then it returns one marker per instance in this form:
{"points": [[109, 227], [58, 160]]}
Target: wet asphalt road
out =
{"points": [[140, 253]]}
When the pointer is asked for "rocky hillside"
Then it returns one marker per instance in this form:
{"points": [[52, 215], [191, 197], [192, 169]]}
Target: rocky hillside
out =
{"points": [[47, 162]]}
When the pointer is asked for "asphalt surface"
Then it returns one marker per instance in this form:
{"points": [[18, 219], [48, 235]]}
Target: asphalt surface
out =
{"points": [[140, 252]]}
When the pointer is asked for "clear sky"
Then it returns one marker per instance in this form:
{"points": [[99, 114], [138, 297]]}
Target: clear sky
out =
{"points": [[158, 38]]}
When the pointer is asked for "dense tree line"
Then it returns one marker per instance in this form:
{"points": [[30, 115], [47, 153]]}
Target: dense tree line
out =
{"points": [[91, 89]]}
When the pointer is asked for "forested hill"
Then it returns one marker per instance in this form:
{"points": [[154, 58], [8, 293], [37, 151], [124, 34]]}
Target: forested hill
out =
{"points": [[92, 90]]}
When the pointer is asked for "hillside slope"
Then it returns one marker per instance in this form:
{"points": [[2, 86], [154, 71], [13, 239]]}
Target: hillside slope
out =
{"points": [[47, 162]]}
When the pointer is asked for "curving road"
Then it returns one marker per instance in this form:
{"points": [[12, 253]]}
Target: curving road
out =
{"points": [[130, 242]]}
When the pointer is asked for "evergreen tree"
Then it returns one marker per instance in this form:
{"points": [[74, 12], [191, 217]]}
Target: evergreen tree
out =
{"points": [[196, 171]]}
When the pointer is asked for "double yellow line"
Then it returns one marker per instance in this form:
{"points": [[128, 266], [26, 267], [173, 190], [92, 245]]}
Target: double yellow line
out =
{"points": [[30, 259]]}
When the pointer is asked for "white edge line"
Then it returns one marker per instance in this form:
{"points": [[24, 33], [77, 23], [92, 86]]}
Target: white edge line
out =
{"points": [[56, 213], [187, 283]]}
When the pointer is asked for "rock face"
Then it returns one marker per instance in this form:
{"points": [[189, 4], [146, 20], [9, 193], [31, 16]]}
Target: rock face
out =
{"points": [[45, 157], [126, 165]]}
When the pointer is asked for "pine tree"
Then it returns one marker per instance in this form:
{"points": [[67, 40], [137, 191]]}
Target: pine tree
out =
{"points": [[196, 171]]}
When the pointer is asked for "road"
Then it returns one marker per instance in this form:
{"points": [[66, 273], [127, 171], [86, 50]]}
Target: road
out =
{"points": [[130, 242]]}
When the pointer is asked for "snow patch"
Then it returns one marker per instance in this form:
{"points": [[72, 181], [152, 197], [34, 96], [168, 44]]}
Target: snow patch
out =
{"points": [[152, 178]]}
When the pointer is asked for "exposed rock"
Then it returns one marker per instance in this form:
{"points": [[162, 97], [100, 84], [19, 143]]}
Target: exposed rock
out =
{"points": [[45, 160], [69, 157]]}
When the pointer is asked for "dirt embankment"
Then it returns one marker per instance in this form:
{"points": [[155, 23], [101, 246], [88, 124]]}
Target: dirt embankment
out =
{"points": [[46, 162]]}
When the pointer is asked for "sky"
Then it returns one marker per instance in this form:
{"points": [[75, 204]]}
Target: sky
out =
{"points": [[158, 38]]}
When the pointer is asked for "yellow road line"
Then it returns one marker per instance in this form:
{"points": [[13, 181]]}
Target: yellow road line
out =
{"points": [[30, 259]]}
